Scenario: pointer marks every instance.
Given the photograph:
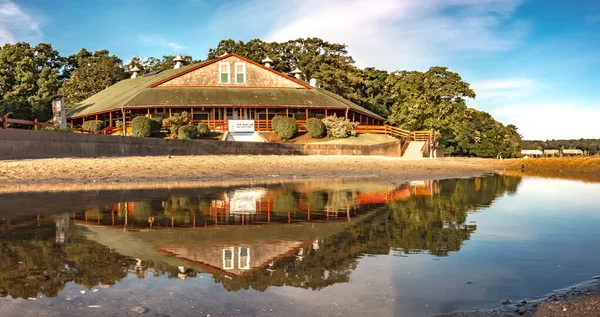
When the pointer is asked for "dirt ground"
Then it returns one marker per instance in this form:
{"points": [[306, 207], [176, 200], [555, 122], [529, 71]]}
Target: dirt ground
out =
{"points": [[65, 173]]}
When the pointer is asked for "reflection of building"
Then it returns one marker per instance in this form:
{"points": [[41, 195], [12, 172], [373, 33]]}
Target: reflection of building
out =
{"points": [[236, 259], [245, 201]]}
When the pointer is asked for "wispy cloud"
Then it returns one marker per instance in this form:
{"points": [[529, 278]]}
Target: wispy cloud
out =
{"points": [[15, 24], [159, 41], [393, 34]]}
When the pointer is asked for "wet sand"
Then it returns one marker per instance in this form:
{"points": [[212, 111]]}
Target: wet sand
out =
{"points": [[185, 171]]}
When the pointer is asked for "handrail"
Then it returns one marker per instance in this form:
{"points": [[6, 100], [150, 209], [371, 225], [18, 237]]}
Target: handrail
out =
{"points": [[5, 120]]}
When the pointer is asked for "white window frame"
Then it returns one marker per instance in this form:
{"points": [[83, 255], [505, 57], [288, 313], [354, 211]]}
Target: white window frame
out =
{"points": [[236, 72], [232, 259], [247, 266], [228, 72], [162, 110]]}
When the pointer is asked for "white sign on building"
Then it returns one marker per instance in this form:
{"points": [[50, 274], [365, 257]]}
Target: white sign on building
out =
{"points": [[241, 126]]}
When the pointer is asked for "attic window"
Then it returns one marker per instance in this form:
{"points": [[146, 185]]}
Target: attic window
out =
{"points": [[224, 73], [240, 73]]}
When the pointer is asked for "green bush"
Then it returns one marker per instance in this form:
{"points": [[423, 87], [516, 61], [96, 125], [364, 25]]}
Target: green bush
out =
{"points": [[187, 132], [144, 127], [275, 122], [175, 122], [287, 128], [95, 126], [203, 129], [57, 129], [339, 127], [119, 125], [316, 128]]}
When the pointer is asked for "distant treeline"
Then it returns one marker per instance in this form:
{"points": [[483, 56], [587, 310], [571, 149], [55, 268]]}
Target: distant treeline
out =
{"points": [[590, 145]]}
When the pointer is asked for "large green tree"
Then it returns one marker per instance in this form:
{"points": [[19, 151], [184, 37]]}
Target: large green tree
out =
{"points": [[29, 80], [153, 64], [90, 73], [435, 99]]}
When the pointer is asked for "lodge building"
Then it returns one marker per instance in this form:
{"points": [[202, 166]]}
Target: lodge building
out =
{"points": [[230, 87]]}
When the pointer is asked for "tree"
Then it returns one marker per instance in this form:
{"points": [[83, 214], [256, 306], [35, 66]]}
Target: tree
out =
{"points": [[90, 74], [29, 80], [153, 64]]}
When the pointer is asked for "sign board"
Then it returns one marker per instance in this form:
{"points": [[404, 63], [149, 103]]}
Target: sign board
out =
{"points": [[241, 126], [59, 113], [243, 201]]}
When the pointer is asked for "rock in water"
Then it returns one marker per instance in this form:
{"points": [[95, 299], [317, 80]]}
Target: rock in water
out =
{"points": [[140, 310], [506, 302]]}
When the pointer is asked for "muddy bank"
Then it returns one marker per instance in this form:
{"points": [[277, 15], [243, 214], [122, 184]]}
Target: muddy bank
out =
{"points": [[581, 300], [140, 172]]}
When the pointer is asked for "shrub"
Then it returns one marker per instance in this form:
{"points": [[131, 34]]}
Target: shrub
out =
{"points": [[339, 127], [316, 128], [287, 128], [187, 132], [119, 125], [275, 122], [57, 129], [175, 122], [95, 126], [144, 127], [203, 129]]}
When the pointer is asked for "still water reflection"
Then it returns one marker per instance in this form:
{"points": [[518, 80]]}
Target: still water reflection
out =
{"points": [[316, 248]]}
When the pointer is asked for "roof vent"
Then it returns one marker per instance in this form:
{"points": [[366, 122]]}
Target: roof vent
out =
{"points": [[297, 73], [178, 61], [134, 72], [313, 82], [267, 61]]}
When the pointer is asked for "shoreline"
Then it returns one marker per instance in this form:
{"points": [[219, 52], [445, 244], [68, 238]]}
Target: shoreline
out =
{"points": [[581, 300], [77, 174], [122, 173]]}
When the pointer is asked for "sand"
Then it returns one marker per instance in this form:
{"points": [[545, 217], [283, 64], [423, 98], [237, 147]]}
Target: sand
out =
{"points": [[63, 173]]}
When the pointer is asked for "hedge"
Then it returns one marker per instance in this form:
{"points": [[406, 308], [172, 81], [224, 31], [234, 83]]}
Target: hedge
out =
{"points": [[316, 128], [187, 132], [144, 127], [94, 126], [275, 122], [203, 129], [287, 128]]}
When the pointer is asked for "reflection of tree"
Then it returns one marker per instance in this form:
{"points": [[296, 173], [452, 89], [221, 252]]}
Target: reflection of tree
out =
{"points": [[31, 267], [434, 224]]}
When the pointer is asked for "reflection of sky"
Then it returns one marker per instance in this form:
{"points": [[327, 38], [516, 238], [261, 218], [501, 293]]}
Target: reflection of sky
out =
{"points": [[542, 239]]}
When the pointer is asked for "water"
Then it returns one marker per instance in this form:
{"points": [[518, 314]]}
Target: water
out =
{"points": [[300, 249]]}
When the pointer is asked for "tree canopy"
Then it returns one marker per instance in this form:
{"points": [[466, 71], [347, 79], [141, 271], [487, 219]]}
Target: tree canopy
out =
{"points": [[31, 77]]}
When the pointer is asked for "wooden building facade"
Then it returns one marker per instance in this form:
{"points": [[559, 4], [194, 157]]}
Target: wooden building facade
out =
{"points": [[230, 87]]}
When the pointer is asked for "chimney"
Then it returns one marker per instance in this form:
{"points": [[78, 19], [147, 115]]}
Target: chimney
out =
{"points": [[134, 72], [178, 61], [313, 82], [297, 73], [267, 61]]}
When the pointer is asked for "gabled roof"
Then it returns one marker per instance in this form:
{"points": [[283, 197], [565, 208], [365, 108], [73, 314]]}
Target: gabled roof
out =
{"points": [[140, 93]]}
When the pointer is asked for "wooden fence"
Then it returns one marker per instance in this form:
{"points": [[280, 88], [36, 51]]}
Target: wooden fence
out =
{"points": [[425, 135], [5, 120]]}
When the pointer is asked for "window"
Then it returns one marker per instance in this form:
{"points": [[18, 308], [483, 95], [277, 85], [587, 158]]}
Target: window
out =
{"points": [[240, 73], [159, 110], [228, 258], [224, 73], [244, 258]]}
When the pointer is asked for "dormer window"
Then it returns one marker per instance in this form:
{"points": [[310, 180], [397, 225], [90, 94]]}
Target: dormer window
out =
{"points": [[224, 73], [240, 73]]}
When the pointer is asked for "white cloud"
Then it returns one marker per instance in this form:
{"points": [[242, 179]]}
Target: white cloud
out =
{"points": [[396, 34], [15, 24], [159, 41], [552, 120]]}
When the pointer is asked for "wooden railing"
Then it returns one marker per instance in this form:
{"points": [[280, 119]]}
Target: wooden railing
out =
{"points": [[5, 120], [395, 132]]}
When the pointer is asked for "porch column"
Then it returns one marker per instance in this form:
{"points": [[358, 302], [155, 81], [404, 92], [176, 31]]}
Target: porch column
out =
{"points": [[192, 113], [286, 112], [325, 112], [306, 113], [109, 119], [267, 118], [353, 116]]}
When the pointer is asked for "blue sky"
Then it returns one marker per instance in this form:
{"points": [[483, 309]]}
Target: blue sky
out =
{"points": [[533, 63]]}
